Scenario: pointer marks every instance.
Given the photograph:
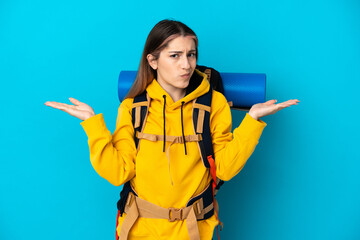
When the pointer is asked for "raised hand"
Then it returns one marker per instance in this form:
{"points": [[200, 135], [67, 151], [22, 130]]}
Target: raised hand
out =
{"points": [[267, 108], [79, 110]]}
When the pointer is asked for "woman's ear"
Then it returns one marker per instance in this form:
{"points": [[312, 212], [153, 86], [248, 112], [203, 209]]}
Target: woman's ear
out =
{"points": [[152, 61]]}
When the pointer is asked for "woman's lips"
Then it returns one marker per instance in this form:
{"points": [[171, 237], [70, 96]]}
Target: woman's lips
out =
{"points": [[185, 75]]}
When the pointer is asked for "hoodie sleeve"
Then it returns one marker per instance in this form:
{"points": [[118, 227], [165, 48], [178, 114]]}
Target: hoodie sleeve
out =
{"points": [[231, 150], [112, 156]]}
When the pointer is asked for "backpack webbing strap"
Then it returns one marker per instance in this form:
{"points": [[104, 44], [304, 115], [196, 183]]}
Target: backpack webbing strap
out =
{"points": [[139, 113], [201, 122], [138, 106], [138, 207], [201, 116]]}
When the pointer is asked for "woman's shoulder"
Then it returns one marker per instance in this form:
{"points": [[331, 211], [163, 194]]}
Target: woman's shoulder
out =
{"points": [[218, 100], [218, 96], [125, 107], [219, 106], [127, 103], [124, 111]]}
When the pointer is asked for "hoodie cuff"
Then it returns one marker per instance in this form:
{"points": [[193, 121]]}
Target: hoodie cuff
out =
{"points": [[95, 126], [250, 128]]}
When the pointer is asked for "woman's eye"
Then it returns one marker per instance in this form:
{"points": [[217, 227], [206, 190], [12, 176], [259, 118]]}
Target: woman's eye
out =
{"points": [[192, 55], [174, 55]]}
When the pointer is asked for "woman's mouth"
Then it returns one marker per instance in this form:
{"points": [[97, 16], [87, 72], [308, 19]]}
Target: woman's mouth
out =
{"points": [[185, 75]]}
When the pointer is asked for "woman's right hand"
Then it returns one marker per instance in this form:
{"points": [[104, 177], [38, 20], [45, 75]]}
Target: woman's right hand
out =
{"points": [[79, 110]]}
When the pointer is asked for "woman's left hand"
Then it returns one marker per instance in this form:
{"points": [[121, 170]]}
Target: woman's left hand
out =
{"points": [[267, 108]]}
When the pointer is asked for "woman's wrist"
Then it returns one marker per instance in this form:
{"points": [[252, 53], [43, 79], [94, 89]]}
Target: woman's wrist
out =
{"points": [[253, 116], [89, 116]]}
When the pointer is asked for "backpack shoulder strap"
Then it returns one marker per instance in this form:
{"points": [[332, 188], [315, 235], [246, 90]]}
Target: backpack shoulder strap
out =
{"points": [[201, 121], [140, 109]]}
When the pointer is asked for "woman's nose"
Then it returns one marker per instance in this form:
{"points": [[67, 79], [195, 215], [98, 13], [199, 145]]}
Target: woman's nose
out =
{"points": [[185, 64]]}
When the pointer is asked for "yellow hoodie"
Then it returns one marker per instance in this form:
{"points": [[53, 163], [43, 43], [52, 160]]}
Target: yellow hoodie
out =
{"points": [[169, 182]]}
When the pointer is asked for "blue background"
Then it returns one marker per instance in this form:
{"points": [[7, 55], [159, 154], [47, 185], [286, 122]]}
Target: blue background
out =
{"points": [[302, 182]]}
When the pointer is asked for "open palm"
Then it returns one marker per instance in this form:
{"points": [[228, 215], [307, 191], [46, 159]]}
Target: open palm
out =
{"points": [[267, 108], [80, 110]]}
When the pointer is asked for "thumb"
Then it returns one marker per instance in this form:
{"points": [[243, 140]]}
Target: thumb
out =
{"points": [[74, 101], [270, 102]]}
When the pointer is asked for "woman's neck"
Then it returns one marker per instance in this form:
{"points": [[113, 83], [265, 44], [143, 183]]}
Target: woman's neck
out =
{"points": [[176, 95]]}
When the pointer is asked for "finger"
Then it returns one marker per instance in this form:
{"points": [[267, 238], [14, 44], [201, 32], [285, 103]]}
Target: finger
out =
{"points": [[58, 105], [286, 104], [273, 101], [52, 104], [70, 109], [75, 101], [290, 102], [293, 101]]}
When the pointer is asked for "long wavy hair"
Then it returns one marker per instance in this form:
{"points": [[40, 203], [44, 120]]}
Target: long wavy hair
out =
{"points": [[158, 39]]}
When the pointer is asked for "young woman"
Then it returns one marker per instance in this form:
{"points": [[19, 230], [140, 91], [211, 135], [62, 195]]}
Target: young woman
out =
{"points": [[166, 170]]}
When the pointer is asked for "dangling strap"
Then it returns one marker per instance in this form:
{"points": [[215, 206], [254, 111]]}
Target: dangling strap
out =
{"points": [[214, 181], [117, 224], [132, 214]]}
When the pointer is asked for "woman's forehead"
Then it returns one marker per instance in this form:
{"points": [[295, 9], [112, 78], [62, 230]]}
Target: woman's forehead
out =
{"points": [[181, 43]]}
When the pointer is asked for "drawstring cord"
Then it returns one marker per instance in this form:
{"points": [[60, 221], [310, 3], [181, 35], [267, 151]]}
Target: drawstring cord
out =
{"points": [[182, 126], [183, 136], [164, 96]]}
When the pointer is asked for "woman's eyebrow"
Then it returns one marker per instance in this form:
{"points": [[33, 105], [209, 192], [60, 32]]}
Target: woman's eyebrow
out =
{"points": [[192, 50]]}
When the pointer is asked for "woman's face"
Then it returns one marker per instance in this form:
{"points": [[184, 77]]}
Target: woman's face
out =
{"points": [[176, 64]]}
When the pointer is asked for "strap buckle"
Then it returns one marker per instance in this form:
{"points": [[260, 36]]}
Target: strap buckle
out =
{"points": [[199, 208], [130, 199], [175, 214]]}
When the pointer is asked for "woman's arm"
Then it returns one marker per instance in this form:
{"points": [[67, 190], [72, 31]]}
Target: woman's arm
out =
{"points": [[112, 156], [232, 150]]}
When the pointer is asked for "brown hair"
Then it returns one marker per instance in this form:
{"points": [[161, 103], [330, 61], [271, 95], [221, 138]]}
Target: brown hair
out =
{"points": [[159, 37]]}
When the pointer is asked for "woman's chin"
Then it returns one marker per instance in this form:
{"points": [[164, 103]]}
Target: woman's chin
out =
{"points": [[184, 84]]}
